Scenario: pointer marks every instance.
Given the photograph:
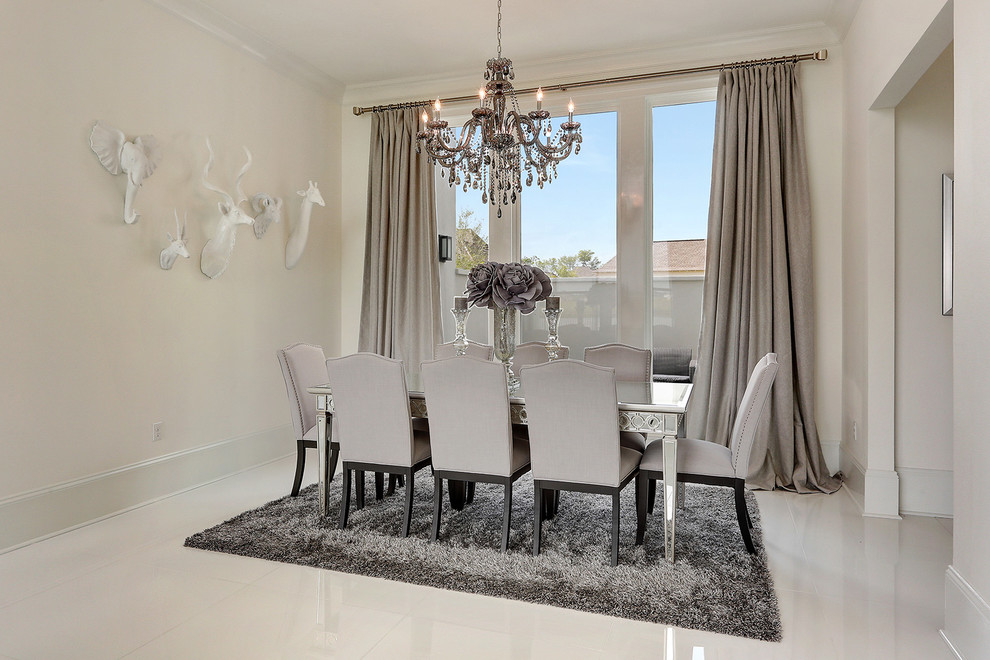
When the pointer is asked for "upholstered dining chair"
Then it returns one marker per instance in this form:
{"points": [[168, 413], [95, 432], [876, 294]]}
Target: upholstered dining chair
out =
{"points": [[573, 416], [448, 350], [471, 435], [534, 352], [371, 404], [705, 462], [630, 364], [304, 366]]}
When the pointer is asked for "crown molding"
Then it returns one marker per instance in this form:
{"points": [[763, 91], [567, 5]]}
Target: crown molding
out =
{"points": [[841, 16], [750, 45], [248, 41]]}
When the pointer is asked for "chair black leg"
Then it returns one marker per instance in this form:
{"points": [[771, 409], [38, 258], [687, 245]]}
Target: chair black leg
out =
{"points": [[392, 479], [359, 488], [506, 516], [379, 485], [642, 505], [615, 528], [537, 518], [470, 493], [401, 481], [742, 514], [652, 495], [437, 506], [409, 501], [334, 457], [300, 466], [345, 500]]}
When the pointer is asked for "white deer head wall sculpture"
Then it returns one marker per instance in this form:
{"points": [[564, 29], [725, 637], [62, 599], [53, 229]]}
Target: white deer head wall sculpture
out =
{"points": [[176, 246], [300, 233], [269, 209], [137, 159], [217, 251]]}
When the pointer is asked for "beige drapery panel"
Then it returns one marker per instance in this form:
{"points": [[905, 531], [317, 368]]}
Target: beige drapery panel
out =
{"points": [[400, 306], [759, 295]]}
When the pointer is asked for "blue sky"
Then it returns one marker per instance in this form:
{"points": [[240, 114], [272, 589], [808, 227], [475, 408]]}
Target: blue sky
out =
{"points": [[577, 210]]}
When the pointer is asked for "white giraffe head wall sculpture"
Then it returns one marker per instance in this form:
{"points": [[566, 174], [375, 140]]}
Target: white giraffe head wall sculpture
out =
{"points": [[217, 251], [300, 233], [137, 159], [176, 246]]}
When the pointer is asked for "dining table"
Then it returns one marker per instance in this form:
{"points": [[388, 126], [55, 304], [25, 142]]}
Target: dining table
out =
{"points": [[656, 409]]}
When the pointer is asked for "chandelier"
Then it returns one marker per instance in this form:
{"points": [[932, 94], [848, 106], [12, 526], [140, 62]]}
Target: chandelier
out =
{"points": [[498, 142]]}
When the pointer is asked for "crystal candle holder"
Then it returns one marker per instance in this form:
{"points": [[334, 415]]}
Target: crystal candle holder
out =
{"points": [[553, 343], [460, 312]]}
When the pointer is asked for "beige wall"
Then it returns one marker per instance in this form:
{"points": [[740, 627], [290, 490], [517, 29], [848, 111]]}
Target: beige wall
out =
{"points": [[98, 341], [923, 342], [884, 58], [967, 620]]}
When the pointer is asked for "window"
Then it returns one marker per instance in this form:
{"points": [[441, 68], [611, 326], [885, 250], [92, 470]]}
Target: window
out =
{"points": [[568, 229], [683, 137]]}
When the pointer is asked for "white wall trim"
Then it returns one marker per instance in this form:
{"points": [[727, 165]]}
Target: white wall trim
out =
{"points": [[926, 492], [875, 492], [967, 618], [32, 515], [247, 40]]}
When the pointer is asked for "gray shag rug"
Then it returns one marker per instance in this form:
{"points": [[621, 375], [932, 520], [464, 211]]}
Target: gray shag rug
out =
{"points": [[714, 585]]}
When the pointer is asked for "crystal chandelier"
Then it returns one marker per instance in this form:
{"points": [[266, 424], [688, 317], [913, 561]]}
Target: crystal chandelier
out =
{"points": [[499, 141]]}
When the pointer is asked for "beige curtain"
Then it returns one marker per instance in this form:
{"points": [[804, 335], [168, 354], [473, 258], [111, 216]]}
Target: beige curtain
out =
{"points": [[400, 307], [759, 294]]}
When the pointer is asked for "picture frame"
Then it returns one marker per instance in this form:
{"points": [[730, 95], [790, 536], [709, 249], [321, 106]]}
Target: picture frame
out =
{"points": [[947, 184]]}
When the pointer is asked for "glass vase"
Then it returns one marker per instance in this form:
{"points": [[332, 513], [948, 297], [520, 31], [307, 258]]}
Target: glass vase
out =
{"points": [[505, 342]]}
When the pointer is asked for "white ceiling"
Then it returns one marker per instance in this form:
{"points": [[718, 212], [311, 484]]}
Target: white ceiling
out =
{"points": [[360, 43]]}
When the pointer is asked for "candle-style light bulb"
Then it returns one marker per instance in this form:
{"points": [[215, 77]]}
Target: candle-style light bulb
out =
{"points": [[436, 106], [426, 120], [481, 94], [570, 110], [539, 98]]}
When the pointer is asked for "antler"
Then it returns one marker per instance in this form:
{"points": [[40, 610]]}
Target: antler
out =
{"points": [[180, 231], [241, 197], [209, 186]]}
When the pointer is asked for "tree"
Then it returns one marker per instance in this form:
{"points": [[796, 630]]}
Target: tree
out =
{"points": [[472, 245], [567, 265]]}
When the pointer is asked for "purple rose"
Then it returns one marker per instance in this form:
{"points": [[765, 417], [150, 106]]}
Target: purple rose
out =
{"points": [[479, 284], [519, 286]]}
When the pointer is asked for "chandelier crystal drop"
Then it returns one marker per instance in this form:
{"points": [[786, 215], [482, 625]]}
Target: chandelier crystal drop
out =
{"points": [[498, 142]]}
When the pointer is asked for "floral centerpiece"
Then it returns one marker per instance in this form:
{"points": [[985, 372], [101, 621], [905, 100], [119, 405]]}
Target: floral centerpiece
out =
{"points": [[507, 286], [507, 289]]}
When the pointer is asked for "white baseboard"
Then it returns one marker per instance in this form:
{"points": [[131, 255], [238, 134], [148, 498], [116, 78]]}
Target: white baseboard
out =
{"points": [[967, 619], [47, 511], [926, 492], [874, 491]]}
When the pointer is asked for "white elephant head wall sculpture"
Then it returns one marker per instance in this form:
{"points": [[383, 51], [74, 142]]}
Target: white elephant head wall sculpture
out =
{"points": [[137, 159]]}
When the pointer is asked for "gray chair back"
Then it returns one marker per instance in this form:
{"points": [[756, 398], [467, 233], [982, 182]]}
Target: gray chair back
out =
{"points": [[573, 415], [750, 410], [630, 363], [371, 407], [673, 364], [448, 350], [303, 366], [534, 352], [468, 403]]}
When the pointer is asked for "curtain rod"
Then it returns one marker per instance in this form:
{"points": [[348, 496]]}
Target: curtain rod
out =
{"points": [[817, 56]]}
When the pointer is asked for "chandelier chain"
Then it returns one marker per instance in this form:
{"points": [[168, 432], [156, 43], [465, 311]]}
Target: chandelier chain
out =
{"points": [[500, 28]]}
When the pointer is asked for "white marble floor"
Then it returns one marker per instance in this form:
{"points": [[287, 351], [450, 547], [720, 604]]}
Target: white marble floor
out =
{"points": [[848, 587]]}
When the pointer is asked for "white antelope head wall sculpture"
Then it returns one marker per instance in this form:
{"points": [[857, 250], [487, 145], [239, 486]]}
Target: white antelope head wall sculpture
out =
{"points": [[297, 239], [176, 246], [217, 251], [137, 159]]}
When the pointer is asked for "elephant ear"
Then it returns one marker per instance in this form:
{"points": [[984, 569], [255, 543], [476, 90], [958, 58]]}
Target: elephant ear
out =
{"points": [[152, 153], [107, 143]]}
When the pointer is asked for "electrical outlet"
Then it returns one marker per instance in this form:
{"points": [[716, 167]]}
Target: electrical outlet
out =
{"points": [[156, 430], [855, 433]]}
